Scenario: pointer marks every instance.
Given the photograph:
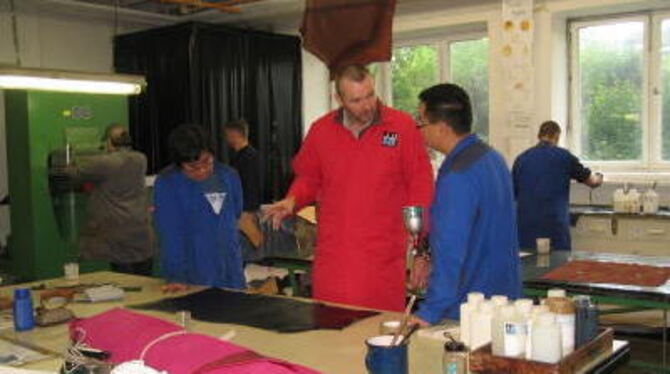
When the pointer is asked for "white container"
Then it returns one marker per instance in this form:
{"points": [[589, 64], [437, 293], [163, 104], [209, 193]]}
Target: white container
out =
{"points": [[466, 313], [633, 201], [650, 201], [564, 309], [507, 332], [480, 325], [524, 307], [619, 200], [546, 339], [535, 311], [556, 292]]}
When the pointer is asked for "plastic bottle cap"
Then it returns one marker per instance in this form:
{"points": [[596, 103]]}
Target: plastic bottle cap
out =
{"points": [[487, 307], [556, 292], [499, 300], [524, 305], [475, 297], [454, 346]]}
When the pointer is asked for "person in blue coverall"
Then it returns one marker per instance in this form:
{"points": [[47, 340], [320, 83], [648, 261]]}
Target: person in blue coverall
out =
{"points": [[198, 202], [542, 177], [473, 235]]}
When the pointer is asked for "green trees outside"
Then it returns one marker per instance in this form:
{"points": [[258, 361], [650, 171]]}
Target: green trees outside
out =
{"points": [[415, 68], [611, 76]]}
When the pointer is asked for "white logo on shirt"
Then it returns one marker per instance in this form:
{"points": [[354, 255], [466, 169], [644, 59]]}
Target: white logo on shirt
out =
{"points": [[216, 200]]}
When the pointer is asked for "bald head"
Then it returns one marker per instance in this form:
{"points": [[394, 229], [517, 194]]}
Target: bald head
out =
{"points": [[117, 137]]}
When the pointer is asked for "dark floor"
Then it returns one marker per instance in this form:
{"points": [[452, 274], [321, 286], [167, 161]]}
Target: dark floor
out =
{"points": [[643, 350]]}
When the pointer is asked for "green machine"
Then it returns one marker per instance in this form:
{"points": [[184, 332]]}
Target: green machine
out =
{"points": [[46, 130]]}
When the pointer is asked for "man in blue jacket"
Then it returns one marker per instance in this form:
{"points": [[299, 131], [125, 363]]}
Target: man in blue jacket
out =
{"points": [[542, 177], [473, 234], [198, 203]]}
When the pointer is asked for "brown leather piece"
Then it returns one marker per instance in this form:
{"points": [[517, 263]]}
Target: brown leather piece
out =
{"points": [[346, 32]]}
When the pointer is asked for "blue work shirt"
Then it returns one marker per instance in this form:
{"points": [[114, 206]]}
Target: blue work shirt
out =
{"points": [[473, 235], [542, 189], [198, 245]]}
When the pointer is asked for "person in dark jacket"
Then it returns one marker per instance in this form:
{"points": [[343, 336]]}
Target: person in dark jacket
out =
{"points": [[542, 177]]}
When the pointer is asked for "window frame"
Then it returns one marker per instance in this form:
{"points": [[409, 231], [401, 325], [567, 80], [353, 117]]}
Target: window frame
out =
{"points": [[651, 160], [443, 43]]}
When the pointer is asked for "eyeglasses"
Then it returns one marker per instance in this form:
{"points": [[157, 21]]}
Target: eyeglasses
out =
{"points": [[205, 161], [421, 123]]}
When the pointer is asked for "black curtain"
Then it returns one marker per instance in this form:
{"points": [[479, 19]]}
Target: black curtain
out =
{"points": [[209, 75]]}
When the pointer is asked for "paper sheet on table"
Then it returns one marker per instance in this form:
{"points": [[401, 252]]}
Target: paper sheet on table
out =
{"points": [[13, 354], [12, 370]]}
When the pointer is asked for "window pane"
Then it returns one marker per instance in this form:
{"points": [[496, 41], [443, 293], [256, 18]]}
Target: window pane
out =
{"points": [[665, 87], [413, 69], [469, 65], [610, 61]]}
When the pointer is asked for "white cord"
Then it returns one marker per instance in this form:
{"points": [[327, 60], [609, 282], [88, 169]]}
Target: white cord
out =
{"points": [[160, 339]]}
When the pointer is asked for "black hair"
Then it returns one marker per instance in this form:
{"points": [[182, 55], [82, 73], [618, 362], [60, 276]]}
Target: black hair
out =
{"points": [[186, 142], [239, 125], [448, 103]]}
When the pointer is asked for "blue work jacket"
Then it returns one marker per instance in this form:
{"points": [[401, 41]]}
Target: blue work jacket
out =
{"points": [[473, 235], [197, 245], [542, 189]]}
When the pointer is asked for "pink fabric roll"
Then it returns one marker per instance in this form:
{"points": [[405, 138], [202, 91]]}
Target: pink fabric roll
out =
{"points": [[127, 334]]}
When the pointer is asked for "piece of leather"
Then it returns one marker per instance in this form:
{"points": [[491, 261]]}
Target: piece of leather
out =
{"points": [[266, 312]]}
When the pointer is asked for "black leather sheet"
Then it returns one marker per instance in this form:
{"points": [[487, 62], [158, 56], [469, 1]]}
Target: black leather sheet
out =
{"points": [[264, 312]]}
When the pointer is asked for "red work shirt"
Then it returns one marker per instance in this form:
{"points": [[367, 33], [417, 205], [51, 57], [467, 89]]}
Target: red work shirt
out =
{"points": [[361, 186]]}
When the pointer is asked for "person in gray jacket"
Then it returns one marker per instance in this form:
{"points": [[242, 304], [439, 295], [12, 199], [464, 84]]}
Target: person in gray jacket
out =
{"points": [[117, 227]]}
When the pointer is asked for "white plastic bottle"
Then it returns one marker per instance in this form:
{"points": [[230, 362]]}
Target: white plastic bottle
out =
{"points": [[535, 311], [650, 201], [618, 200], [467, 309], [505, 332], [480, 325], [546, 339], [633, 198], [564, 309]]}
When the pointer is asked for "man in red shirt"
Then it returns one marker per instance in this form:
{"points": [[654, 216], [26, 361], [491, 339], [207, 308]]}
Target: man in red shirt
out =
{"points": [[361, 163]]}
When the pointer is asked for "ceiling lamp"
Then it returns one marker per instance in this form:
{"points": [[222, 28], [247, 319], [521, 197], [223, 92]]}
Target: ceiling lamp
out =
{"points": [[70, 81]]}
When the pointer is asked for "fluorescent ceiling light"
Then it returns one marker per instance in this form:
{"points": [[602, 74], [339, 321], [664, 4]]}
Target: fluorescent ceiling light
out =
{"points": [[67, 81]]}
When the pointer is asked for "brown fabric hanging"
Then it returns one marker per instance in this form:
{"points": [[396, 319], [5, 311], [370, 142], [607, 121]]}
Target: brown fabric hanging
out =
{"points": [[345, 32]]}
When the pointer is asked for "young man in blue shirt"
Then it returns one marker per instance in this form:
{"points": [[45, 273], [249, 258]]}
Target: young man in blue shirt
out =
{"points": [[198, 203], [473, 234]]}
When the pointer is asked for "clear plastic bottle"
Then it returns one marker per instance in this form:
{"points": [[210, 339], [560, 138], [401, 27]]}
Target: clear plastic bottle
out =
{"points": [[455, 360], [535, 311], [619, 200], [650, 201], [546, 339], [633, 199]]}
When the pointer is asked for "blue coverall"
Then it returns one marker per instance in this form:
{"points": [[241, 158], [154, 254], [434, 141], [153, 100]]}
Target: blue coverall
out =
{"points": [[199, 246], [473, 235], [542, 189]]}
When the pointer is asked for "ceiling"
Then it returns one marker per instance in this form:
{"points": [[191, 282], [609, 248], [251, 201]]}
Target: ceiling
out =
{"points": [[271, 15]]}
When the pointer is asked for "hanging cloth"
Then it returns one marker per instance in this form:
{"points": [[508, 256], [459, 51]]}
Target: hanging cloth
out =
{"points": [[345, 32]]}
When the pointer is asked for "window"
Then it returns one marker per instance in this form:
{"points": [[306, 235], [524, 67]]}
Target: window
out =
{"points": [[419, 65], [620, 92]]}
